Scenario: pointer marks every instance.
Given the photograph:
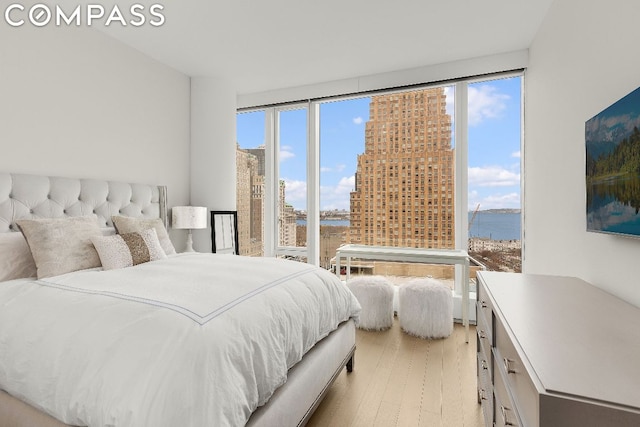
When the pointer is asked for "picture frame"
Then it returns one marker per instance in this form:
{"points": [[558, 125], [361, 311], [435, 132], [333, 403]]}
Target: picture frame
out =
{"points": [[224, 232], [612, 139]]}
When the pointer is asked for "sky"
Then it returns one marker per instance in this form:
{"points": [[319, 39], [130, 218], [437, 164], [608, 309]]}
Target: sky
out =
{"points": [[494, 146]]}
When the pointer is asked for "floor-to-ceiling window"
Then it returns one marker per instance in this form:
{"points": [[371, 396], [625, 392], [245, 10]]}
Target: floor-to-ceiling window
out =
{"points": [[386, 174], [250, 182], [494, 184], [290, 184], [342, 141]]}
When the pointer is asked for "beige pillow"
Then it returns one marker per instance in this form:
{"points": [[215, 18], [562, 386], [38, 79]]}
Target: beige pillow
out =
{"points": [[61, 245], [127, 224], [129, 249], [16, 261]]}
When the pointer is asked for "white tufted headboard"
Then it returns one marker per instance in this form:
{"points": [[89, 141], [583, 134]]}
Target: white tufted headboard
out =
{"points": [[35, 196]]}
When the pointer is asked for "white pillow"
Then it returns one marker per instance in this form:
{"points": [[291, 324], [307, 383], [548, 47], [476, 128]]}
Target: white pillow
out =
{"points": [[61, 245], [129, 249], [16, 261], [126, 224]]}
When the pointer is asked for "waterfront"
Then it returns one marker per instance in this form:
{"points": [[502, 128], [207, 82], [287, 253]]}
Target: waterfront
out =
{"points": [[486, 224], [495, 225]]}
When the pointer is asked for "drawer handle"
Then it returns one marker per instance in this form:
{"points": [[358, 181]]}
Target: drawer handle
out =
{"points": [[507, 366], [483, 304], [482, 334], [505, 418]]}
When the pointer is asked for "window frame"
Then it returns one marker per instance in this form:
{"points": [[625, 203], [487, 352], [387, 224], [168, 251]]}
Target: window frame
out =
{"points": [[459, 140]]}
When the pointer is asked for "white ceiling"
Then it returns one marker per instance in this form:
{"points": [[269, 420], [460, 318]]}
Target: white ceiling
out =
{"points": [[261, 45]]}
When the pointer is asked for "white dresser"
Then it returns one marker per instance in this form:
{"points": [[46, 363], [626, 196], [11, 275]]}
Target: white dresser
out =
{"points": [[556, 352]]}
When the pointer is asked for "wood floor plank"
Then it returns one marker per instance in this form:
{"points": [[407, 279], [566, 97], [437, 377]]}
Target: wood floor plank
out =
{"points": [[400, 380]]}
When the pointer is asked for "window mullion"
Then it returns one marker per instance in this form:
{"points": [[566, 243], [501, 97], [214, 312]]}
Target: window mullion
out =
{"points": [[313, 183], [271, 189], [461, 175]]}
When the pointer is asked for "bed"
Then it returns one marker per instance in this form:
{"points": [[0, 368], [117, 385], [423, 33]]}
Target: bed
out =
{"points": [[183, 339]]}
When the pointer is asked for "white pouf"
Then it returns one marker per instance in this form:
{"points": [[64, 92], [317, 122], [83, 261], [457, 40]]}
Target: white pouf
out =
{"points": [[426, 308], [375, 295]]}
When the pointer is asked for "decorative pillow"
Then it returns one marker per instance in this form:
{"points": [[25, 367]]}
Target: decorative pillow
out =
{"points": [[126, 224], [16, 261], [61, 245], [128, 249]]}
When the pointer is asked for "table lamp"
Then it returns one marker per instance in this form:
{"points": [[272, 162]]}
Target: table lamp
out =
{"points": [[189, 218]]}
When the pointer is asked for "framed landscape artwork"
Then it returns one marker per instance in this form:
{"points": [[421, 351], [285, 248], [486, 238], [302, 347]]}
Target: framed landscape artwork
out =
{"points": [[612, 141]]}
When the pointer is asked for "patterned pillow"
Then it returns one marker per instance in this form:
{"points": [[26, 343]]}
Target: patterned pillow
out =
{"points": [[129, 249], [61, 245], [126, 224]]}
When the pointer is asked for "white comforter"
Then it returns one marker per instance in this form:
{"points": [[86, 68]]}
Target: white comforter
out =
{"points": [[193, 340]]}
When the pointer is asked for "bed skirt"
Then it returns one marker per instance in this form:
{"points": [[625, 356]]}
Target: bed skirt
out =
{"points": [[291, 405]]}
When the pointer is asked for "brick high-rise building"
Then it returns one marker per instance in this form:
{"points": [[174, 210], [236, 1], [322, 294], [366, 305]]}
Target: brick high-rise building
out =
{"points": [[250, 189], [404, 193], [286, 219], [249, 203]]}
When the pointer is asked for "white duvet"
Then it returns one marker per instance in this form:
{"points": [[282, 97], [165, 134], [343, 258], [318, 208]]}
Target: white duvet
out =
{"points": [[192, 340]]}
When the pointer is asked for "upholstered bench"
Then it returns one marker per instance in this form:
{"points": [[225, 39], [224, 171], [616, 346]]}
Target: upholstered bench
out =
{"points": [[425, 308], [375, 295]]}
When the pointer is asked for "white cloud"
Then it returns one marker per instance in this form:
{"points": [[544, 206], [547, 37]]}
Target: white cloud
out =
{"points": [[485, 102], [516, 154], [449, 92], [285, 155], [286, 152], [501, 201], [493, 201], [338, 168], [358, 120], [337, 196], [295, 193], [331, 196], [492, 176]]}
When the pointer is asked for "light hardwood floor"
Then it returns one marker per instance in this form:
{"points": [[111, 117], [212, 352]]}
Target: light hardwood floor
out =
{"points": [[400, 380]]}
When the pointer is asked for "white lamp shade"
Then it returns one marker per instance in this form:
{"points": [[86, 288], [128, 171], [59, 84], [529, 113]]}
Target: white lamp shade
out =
{"points": [[188, 217]]}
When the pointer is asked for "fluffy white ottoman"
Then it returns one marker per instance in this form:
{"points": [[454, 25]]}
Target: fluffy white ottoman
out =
{"points": [[426, 308], [375, 295]]}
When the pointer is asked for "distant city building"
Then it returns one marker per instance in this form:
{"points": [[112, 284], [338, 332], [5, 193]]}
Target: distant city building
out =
{"points": [[286, 219], [257, 211], [404, 193], [331, 238], [479, 244], [249, 203], [259, 153], [250, 187]]}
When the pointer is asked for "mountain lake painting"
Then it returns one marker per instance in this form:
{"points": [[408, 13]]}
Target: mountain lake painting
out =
{"points": [[613, 168]]}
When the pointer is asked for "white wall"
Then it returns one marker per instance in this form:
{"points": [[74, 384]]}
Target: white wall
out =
{"points": [[213, 150], [74, 102], [583, 59]]}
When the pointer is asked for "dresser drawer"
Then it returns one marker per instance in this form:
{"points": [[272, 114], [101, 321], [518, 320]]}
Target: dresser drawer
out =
{"points": [[483, 330], [485, 379], [483, 325], [516, 378], [484, 308], [485, 389], [484, 354], [505, 412]]}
